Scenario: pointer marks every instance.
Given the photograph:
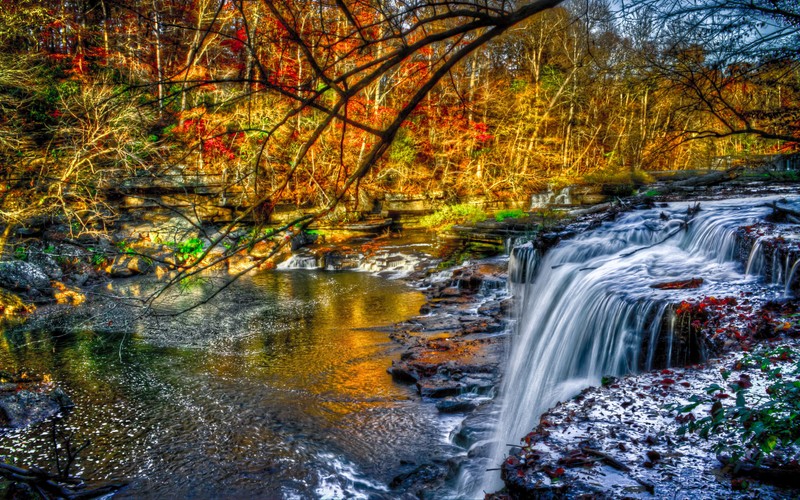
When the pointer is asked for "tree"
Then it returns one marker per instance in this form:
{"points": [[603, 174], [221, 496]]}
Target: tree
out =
{"points": [[735, 62]]}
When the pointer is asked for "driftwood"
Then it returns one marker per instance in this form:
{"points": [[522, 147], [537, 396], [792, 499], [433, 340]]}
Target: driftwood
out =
{"points": [[51, 486], [601, 207], [679, 285], [613, 462]]}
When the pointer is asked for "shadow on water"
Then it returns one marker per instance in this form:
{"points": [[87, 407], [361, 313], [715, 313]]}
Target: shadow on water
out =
{"points": [[275, 390]]}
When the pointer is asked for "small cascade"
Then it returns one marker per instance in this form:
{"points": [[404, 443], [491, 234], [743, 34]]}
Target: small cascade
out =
{"points": [[548, 198], [590, 306], [564, 197], [393, 263], [524, 264], [299, 261], [775, 263], [755, 261], [790, 277]]}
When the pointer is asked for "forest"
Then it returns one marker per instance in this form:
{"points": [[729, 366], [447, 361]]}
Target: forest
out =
{"points": [[314, 102]]}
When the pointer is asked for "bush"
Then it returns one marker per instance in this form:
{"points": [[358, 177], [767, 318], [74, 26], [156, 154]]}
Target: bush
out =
{"points": [[451, 215]]}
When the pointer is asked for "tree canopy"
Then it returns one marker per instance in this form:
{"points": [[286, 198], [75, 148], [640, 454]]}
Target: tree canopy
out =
{"points": [[321, 102]]}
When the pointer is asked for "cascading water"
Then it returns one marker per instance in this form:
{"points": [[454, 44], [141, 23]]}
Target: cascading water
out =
{"points": [[776, 268], [587, 308], [549, 197]]}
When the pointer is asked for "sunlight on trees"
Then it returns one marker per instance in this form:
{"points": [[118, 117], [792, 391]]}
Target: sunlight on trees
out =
{"points": [[321, 103]]}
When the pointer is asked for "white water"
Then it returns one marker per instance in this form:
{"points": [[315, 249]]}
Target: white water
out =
{"points": [[764, 262], [543, 200], [585, 307]]}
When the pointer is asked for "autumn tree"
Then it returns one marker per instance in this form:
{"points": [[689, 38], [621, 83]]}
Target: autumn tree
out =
{"points": [[734, 66]]}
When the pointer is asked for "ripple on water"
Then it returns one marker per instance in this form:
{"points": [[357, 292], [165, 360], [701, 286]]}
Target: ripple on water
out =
{"points": [[275, 390]]}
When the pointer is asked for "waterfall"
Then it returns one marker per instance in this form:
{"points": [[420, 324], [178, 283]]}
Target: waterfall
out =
{"points": [[299, 261], [549, 197], [586, 309], [781, 269]]}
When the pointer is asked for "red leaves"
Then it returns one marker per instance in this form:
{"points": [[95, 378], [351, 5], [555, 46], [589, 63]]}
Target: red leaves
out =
{"points": [[554, 474], [236, 44], [482, 132], [683, 308], [213, 145]]}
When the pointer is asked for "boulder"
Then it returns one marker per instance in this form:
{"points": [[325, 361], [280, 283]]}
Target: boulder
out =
{"points": [[47, 264], [129, 265], [20, 276], [23, 408]]}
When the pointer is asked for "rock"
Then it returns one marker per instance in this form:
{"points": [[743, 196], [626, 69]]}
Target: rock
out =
{"points": [[129, 265], [456, 405], [79, 279], [438, 388], [26, 407], [303, 239], [20, 276], [419, 477], [47, 263], [401, 372]]}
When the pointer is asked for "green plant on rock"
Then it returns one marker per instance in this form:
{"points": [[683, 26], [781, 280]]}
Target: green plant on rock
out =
{"points": [[512, 213], [98, 258], [187, 249], [756, 426], [451, 215], [21, 252], [125, 247]]}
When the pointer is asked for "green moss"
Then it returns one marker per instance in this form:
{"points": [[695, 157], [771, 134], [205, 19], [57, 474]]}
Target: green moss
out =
{"points": [[451, 215], [513, 213]]}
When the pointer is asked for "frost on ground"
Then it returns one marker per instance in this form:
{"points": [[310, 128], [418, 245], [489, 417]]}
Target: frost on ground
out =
{"points": [[643, 436]]}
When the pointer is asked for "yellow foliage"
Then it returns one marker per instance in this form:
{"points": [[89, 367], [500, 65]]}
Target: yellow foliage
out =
{"points": [[68, 295]]}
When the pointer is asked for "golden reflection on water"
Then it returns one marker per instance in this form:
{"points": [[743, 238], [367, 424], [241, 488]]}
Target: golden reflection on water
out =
{"points": [[299, 364]]}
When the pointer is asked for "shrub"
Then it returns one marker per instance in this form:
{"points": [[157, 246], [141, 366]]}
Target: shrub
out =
{"points": [[637, 177], [757, 425]]}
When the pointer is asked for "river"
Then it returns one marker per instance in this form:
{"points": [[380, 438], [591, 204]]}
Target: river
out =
{"points": [[277, 390]]}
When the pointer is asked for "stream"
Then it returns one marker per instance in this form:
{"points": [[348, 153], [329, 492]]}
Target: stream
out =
{"points": [[278, 389]]}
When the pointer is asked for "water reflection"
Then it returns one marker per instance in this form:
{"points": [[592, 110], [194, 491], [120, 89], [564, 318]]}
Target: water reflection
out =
{"points": [[250, 396]]}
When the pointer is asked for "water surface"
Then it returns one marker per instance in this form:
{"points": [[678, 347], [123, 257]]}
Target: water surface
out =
{"points": [[277, 389]]}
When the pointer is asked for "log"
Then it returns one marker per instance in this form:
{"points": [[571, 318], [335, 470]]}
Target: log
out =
{"points": [[679, 285], [780, 214]]}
